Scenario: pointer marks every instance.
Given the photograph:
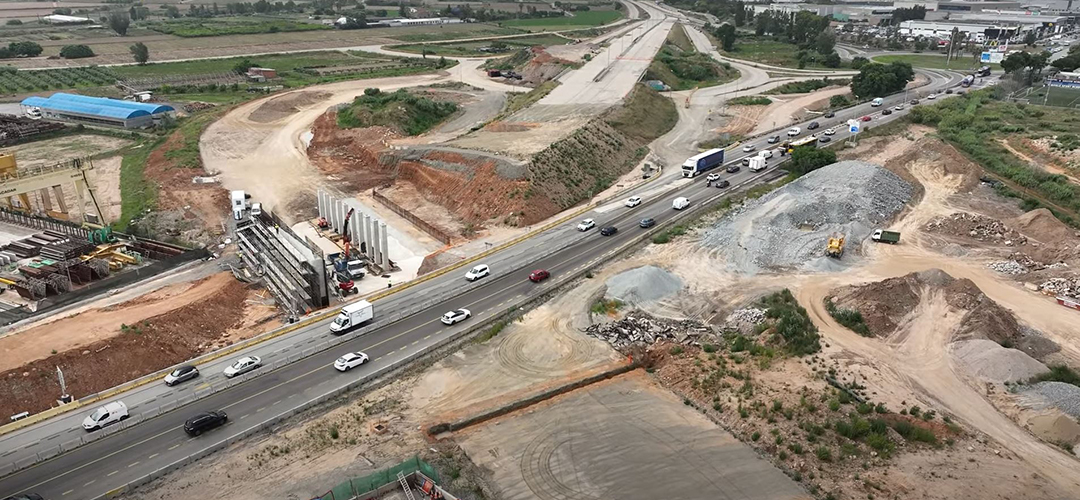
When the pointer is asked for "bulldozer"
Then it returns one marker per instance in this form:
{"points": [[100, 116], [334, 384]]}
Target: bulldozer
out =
{"points": [[835, 248]]}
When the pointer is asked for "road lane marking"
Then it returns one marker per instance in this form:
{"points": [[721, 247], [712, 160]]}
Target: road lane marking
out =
{"points": [[151, 457], [107, 475], [276, 402], [133, 465], [244, 416], [88, 483], [175, 446], [415, 342], [260, 409], [64, 494]]}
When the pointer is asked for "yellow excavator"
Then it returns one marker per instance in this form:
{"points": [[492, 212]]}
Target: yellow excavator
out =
{"points": [[835, 249]]}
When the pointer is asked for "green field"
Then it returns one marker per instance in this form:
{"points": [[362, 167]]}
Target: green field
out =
{"points": [[932, 61], [579, 20], [1055, 96], [14, 82], [210, 27], [473, 48], [453, 35], [768, 51]]}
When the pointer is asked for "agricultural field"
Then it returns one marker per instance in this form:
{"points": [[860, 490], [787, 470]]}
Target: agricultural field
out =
{"points": [[932, 61], [12, 82], [585, 19], [217, 27], [764, 49], [499, 47]]}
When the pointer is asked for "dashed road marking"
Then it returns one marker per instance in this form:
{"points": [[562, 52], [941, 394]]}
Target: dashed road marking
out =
{"points": [[243, 416], [133, 465], [151, 457], [415, 342], [88, 483], [111, 473], [66, 492], [175, 446], [260, 409], [275, 402]]}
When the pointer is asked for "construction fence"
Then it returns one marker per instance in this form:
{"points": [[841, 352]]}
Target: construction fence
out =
{"points": [[356, 487], [424, 226]]}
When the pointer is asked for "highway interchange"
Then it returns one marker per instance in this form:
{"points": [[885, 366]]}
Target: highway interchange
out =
{"points": [[407, 323]]}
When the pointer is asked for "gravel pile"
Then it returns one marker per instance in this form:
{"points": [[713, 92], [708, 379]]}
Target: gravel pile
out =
{"points": [[989, 361], [1008, 267], [1062, 287], [640, 328], [1065, 397], [744, 320], [789, 227], [979, 227], [643, 284]]}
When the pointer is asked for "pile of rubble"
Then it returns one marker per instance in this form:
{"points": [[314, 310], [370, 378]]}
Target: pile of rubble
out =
{"points": [[744, 320], [196, 106], [1062, 287], [979, 227], [1008, 267], [641, 329]]}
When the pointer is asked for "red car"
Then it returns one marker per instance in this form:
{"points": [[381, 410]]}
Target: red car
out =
{"points": [[866, 118], [539, 275]]}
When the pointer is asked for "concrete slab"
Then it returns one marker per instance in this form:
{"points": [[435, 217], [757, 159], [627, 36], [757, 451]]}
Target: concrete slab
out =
{"points": [[625, 439], [11, 232]]}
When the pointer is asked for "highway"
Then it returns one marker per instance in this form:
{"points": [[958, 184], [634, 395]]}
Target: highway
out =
{"points": [[303, 374]]}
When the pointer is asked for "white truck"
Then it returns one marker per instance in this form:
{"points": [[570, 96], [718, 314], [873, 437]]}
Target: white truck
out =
{"points": [[351, 316], [877, 102], [239, 204], [680, 203], [757, 164]]}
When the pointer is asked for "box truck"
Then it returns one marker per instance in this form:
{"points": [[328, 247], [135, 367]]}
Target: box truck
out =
{"points": [[352, 316]]}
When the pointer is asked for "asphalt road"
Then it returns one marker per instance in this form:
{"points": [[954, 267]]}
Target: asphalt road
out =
{"points": [[301, 374]]}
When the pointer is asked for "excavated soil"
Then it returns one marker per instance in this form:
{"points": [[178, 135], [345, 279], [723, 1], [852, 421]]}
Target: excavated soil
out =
{"points": [[144, 347], [885, 306], [285, 106], [184, 210]]}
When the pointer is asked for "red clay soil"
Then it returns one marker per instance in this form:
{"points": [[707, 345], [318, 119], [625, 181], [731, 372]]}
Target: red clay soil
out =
{"points": [[202, 205], [477, 194], [151, 345]]}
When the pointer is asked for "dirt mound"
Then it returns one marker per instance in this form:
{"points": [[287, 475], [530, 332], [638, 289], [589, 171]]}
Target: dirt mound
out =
{"points": [[145, 347], [351, 156], [1058, 240], [884, 305], [285, 106], [940, 156], [978, 227], [989, 361]]}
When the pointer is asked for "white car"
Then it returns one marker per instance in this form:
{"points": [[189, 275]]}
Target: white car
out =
{"points": [[633, 201], [242, 366], [748, 148], [932, 97], [456, 316], [713, 177], [794, 131], [477, 272], [586, 225], [350, 360], [111, 413], [830, 131], [899, 107], [766, 153]]}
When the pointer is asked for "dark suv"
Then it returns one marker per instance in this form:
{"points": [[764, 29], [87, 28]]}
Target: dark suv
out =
{"points": [[205, 421]]}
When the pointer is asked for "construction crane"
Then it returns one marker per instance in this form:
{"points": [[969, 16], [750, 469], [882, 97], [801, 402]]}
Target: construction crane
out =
{"points": [[835, 248]]}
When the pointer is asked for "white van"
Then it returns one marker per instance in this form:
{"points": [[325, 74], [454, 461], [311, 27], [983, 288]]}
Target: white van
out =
{"points": [[111, 413], [877, 102], [794, 131], [680, 203], [766, 153]]}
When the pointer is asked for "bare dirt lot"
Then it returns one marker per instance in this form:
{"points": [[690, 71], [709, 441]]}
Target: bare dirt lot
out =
{"points": [[144, 335], [62, 149]]}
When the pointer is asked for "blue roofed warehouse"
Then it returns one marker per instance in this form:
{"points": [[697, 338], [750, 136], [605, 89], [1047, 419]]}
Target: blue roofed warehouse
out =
{"points": [[96, 110]]}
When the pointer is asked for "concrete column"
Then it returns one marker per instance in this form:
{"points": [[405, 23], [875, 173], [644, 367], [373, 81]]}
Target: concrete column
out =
{"points": [[383, 245], [337, 213], [59, 192], [80, 187], [369, 237], [354, 230], [319, 203], [374, 246], [46, 203]]}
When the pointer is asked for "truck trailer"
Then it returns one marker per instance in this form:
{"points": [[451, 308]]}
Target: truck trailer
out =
{"points": [[703, 162]]}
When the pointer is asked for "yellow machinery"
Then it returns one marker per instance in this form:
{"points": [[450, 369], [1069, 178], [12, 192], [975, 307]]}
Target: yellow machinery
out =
{"points": [[43, 186], [835, 249]]}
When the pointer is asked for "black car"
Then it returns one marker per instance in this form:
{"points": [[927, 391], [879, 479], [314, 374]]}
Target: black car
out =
{"points": [[181, 374], [25, 496], [823, 139], [948, 91], [914, 102], [647, 223], [205, 421], [733, 168], [812, 126], [774, 139], [723, 184], [608, 231], [886, 111], [829, 114]]}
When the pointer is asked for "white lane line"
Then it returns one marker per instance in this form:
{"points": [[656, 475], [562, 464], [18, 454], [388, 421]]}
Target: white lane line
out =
{"points": [[111, 473], [133, 465], [175, 446], [66, 492], [151, 457]]}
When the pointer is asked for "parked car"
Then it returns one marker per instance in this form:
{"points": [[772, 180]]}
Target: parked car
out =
{"points": [[456, 316], [350, 360], [586, 225], [866, 118], [812, 126], [478, 271], [242, 366], [647, 223], [731, 169], [609, 231], [829, 114], [205, 421], [886, 111], [823, 139], [774, 139], [723, 184], [748, 148], [181, 374], [633, 201], [109, 414], [539, 275]]}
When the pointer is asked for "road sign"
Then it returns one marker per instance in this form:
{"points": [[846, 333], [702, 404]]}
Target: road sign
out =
{"points": [[853, 126]]}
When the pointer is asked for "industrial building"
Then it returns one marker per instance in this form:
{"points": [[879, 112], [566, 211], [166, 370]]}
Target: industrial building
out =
{"points": [[97, 110]]}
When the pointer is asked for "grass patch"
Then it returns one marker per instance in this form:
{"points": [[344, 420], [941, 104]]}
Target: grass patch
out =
{"points": [[809, 85], [646, 116], [472, 48], [791, 323], [586, 19], [750, 101], [1058, 373], [606, 306], [401, 110], [850, 318], [932, 61], [187, 155], [491, 333], [767, 50], [137, 195], [723, 141], [14, 82], [486, 31], [677, 37], [202, 28], [683, 70], [520, 100]]}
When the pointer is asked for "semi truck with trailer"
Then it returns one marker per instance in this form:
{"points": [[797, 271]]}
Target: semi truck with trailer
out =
{"points": [[702, 162]]}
